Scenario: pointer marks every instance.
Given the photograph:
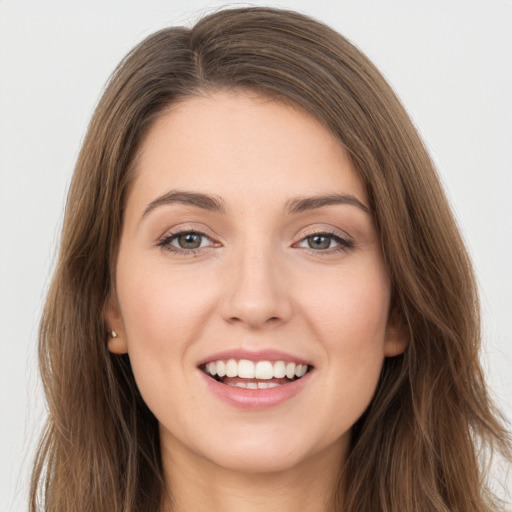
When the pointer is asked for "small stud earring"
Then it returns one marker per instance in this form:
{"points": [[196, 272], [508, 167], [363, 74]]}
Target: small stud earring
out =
{"points": [[113, 334]]}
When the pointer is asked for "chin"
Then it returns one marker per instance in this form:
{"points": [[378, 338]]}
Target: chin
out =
{"points": [[259, 461], [274, 452]]}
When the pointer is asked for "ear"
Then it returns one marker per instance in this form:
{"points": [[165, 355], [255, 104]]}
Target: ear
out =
{"points": [[397, 335], [116, 333]]}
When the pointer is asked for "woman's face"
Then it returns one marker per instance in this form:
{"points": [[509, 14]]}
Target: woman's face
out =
{"points": [[248, 251]]}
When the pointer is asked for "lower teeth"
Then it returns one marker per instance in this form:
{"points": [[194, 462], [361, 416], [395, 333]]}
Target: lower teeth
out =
{"points": [[254, 385]]}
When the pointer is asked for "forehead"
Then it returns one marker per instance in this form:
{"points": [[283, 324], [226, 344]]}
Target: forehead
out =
{"points": [[244, 147]]}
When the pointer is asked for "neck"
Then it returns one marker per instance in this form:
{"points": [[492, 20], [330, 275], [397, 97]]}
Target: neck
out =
{"points": [[198, 485]]}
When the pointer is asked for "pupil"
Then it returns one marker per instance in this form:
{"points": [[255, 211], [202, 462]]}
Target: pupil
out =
{"points": [[319, 242], [189, 241]]}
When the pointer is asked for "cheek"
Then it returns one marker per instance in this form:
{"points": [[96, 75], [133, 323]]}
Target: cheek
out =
{"points": [[350, 317], [163, 314], [158, 305], [351, 310]]}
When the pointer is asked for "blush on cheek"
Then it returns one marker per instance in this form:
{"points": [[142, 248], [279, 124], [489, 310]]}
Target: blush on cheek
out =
{"points": [[161, 314], [357, 316]]}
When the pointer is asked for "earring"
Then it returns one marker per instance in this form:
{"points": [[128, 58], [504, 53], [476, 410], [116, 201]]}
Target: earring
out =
{"points": [[113, 334]]}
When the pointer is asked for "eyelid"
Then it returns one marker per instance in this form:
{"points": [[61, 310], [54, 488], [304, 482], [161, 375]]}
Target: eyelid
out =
{"points": [[187, 227], [326, 229]]}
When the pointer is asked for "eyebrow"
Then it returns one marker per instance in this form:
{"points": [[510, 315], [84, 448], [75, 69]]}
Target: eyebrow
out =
{"points": [[204, 201], [214, 204], [311, 203]]}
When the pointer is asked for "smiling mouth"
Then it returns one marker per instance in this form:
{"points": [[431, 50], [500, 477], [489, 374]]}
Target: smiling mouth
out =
{"points": [[247, 374]]}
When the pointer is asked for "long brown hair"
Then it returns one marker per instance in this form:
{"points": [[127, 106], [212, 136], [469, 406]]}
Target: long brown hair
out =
{"points": [[418, 446]]}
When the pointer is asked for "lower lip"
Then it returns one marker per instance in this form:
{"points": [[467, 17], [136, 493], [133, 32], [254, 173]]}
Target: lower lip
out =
{"points": [[256, 399]]}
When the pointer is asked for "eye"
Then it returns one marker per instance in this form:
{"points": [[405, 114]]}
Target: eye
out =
{"points": [[188, 240], [185, 242], [325, 242]]}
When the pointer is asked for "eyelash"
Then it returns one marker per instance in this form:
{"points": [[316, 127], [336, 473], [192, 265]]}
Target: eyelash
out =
{"points": [[344, 244]]}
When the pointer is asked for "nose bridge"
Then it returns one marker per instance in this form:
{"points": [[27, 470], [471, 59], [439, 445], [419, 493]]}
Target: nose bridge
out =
{"points": [[255, 294]]}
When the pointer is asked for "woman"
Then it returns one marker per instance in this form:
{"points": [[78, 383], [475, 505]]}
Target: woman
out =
{"points": [[291, 315]]}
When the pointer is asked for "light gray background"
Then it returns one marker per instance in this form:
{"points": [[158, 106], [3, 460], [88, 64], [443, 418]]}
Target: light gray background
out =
{"points": [[449, 60]]}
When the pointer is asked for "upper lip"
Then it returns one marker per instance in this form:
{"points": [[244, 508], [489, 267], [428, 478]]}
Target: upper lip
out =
{"points": [[254, 355]]}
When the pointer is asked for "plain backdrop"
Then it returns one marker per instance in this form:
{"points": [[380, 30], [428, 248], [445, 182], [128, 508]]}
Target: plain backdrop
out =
{"points": [[450, 61]]}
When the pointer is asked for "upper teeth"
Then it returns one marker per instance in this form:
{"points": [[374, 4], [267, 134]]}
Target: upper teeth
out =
{"points": [[246, 369]]}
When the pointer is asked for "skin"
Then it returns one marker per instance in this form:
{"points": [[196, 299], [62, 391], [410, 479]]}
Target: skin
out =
{"points": [[254, 283]]}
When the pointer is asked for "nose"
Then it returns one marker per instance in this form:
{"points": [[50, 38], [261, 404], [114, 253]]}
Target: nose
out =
{"points": [[256, 294]]}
